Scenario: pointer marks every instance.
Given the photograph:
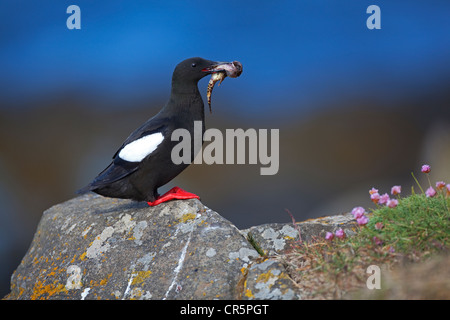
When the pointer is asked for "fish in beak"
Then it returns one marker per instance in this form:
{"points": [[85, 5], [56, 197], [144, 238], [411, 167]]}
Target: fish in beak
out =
{"points": [[219, 72]]}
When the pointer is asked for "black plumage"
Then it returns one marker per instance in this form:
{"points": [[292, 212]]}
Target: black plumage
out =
{"points": [[130, 177]]}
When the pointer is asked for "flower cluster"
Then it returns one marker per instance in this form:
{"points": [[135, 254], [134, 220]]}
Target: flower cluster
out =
{"points": [[339, 234], [440, 185], [359, 213], [384, 199]]}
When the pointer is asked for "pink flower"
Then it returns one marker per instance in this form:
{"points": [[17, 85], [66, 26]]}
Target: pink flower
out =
{"points": [[384, 199], [373, 190], [426, 168], [379, 225], [329, 236], [377, 241], [430, 192], [448, 189], [396, 190], [392, 203], [358, 212], [375, 197], [340, 234], [440, 185], [362, 220]]}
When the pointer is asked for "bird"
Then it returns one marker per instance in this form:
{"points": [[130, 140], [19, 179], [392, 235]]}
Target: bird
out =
{"points": [[143, 163]]}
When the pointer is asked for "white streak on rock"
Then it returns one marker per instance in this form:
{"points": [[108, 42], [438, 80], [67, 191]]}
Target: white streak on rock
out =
{"points": [[85, 293], [130, 281], [179, 264]]}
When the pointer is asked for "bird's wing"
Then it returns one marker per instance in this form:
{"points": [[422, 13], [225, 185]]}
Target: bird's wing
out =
{"points": [[143, 137], [117, 170], [153, 125], [120, 168]]}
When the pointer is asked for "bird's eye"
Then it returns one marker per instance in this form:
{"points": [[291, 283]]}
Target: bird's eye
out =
{"points": [[193, 65]]}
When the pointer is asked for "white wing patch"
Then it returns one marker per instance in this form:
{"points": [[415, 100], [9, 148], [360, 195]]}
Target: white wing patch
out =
{"points": [[138, 149]]}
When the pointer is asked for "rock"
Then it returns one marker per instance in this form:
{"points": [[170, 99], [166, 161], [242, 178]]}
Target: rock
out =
{"points": [[92, 247], [275, 238], [267, 279]]}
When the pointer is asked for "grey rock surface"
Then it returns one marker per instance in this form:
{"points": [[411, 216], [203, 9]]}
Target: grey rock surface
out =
{"points": [[92, 247], [267, 279], [274, 238]]}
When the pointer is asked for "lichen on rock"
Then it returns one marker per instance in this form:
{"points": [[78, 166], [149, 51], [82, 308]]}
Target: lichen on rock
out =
{"points": [[92, 247]]}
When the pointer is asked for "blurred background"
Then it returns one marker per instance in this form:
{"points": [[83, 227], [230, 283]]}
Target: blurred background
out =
{"points": [[356, 108]]}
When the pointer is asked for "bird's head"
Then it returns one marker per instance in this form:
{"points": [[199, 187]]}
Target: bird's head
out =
{"points": [[194, 69]]}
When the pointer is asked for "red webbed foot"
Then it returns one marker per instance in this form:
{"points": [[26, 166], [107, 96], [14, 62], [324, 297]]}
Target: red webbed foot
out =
{"points": [[174, 193]]}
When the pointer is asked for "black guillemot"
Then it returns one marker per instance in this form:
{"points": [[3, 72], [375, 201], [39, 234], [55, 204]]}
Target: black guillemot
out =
{"points": [[143, 163]]}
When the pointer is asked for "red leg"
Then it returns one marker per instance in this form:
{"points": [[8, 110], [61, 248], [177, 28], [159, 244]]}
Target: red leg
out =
{"points": [[174, 193]]}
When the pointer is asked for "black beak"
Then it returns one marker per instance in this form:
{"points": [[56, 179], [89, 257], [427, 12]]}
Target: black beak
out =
{"points": [[214, 67]]}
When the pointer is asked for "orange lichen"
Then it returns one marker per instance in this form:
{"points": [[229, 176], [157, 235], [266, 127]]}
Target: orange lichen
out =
{"points": [[186, 217], [102, 282], [249, 294], [41, 291], [264, 277], [140, 276]]}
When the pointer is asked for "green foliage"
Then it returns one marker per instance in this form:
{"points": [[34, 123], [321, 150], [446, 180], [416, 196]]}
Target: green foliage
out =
{"points": [[418, 223], [412, 229]]}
